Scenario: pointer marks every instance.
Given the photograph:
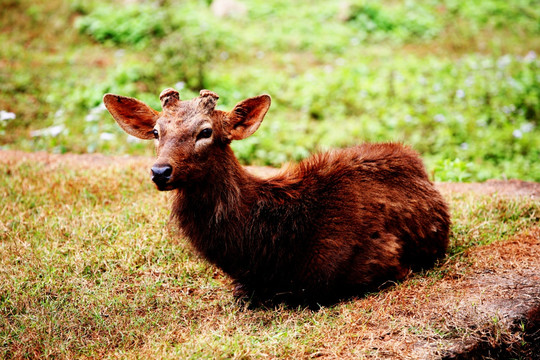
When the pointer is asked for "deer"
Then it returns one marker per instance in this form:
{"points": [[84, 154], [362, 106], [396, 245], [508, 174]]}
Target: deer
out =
{"points": [[336, 225]]}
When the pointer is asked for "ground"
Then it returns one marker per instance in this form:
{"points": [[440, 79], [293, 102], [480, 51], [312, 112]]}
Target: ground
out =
{"points": [[486, 305]]}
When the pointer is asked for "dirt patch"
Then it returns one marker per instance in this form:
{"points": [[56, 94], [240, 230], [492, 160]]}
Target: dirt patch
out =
{"points": [[500, 301], [501, 187], [485, 307], [72, 160]]}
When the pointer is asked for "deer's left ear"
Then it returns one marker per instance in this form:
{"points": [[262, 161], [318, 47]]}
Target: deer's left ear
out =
{"points": [[134, 116], [246, 117]]}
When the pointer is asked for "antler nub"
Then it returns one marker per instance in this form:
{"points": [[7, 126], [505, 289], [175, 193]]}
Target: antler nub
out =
{"points": [[208, 99], [168, 97], [205, 93]]}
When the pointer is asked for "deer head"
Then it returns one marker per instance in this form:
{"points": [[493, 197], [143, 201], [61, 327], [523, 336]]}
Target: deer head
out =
{"points": [[190, 136]]}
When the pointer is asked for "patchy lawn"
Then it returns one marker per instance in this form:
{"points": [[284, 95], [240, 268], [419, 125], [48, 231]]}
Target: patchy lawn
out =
{"points": [[90, 267]]}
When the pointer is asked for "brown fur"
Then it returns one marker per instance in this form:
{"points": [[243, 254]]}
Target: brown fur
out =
{"points": [[336, 224]]}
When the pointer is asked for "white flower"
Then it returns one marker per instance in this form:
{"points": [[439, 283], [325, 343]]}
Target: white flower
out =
{"points": [[509, 109], [6, 115], [486, 63], [310, 77], [91, 117], [49, 131], [464, 146], [517, 134], [530, 57], [132, 139], [100, 108], [504, 61], [59, 113], [513, 83], [179, 85], [527, 127], [460, 94], [107, 136], [439, 118], [469, 81]]}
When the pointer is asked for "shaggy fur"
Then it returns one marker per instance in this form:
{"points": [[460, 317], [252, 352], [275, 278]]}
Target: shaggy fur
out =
{"points": [[335, 225]]}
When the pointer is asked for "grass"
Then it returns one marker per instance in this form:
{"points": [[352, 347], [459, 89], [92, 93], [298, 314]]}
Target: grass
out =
{"points": [[90, 267], [459, 83], [480, 220]]}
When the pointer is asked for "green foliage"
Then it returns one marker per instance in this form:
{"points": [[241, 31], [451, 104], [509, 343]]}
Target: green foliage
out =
{"points": [[453, 79], [187, 54], [411, 20], [452, 170], [498, 13], [479, 109], [134, 24]]}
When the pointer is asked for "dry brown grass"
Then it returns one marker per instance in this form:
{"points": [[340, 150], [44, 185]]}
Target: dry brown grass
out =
{"points": [[89, 268]]}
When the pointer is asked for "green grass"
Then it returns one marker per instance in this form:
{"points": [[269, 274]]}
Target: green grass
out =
{"points": [[482, 220], [89, 267], [460, 83]]}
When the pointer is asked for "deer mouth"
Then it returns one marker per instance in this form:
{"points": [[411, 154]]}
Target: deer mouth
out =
{"points": [[164, 187], [167, 184]]}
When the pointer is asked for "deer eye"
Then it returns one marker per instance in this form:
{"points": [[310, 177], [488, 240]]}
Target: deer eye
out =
{"points": [[156, 134], [204, 134]]}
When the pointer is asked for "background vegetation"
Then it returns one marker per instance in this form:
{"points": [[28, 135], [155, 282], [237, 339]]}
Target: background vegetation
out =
{"points": [[457, 80], [88, 265]]}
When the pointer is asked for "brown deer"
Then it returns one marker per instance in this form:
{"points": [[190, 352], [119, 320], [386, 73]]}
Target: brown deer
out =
{"points": [[335, 225]]}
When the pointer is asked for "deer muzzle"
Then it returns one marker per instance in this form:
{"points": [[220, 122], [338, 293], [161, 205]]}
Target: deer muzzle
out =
{"points": [[161, 174]]}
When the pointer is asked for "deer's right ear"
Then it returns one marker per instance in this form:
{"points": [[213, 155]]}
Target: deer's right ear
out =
{"points": [[134, 117]]}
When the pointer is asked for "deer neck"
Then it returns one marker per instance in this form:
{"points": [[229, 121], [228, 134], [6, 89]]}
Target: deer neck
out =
{"points": [[212, 213], [222, 196]]}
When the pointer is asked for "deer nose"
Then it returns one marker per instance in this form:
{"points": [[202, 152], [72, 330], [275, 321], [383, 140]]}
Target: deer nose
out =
{"points": [[161, 173]]}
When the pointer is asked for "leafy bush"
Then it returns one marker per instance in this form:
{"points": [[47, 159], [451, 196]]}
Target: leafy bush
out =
{"points": [[184, 41], [188, 53], [523, 14], [453, 79], [409, 21], [452, 170], [478, 109], [135, 24]]}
